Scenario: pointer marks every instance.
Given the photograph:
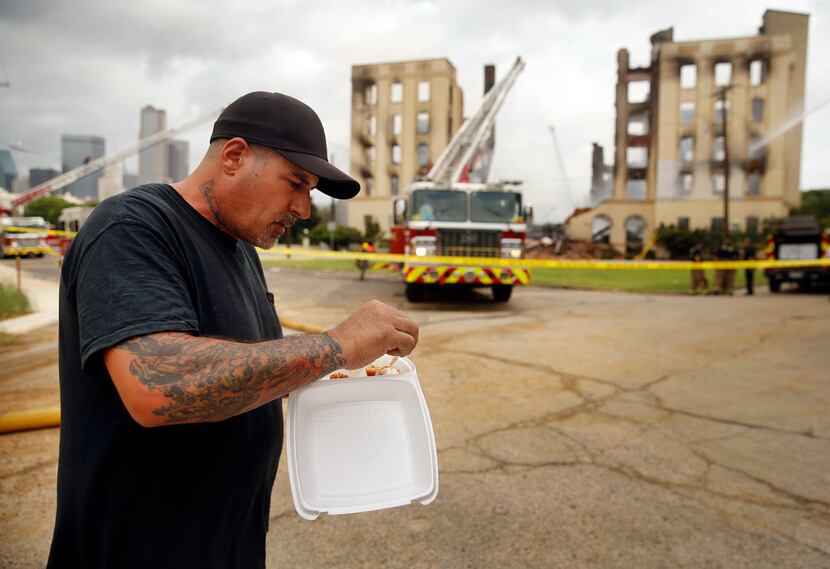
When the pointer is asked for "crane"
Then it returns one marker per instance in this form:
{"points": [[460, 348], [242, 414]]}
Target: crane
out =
{"points": [[466, 142], [93, 166], [562, 171]]}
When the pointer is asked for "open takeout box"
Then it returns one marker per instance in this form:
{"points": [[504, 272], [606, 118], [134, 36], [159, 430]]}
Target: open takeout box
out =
{"points": [[361, 443]]}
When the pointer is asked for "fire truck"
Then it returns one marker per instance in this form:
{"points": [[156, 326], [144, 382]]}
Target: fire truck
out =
{"points": [[23, 237], [455, 212]]}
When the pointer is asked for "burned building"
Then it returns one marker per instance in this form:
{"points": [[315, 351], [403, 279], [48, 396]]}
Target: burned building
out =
{"points": [[705, 117], [403, 115]]}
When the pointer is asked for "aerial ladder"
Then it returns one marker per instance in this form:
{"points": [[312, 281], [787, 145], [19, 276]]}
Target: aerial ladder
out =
{"points": [[63, 180], [452, 228], [469, 139]]}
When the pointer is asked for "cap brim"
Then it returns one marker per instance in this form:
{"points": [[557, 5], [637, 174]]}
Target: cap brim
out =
{"points": [[333, 182]]}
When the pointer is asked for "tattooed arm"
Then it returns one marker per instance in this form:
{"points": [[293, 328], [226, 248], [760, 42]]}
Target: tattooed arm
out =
{"points": [[172, 377]]}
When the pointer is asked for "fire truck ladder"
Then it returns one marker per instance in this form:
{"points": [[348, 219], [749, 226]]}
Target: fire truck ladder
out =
{"points": [[467, 140], [93, 166]]}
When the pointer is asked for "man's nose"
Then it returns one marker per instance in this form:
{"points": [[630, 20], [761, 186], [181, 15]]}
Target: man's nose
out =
{"points": [[301, 207]]}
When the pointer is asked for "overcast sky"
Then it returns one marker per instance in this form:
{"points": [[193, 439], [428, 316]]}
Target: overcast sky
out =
{"points": [[89, 66]]}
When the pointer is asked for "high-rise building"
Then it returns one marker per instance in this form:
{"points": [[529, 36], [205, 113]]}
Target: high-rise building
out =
{"points": [[152, 162], [39, 175], [177, 160], [703, 116], [8, 169], [130, 180], [403, 116], [111, 182], [20, 185], [77, 150]]}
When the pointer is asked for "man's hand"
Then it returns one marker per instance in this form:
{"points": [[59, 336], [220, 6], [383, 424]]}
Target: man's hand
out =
{"points": [[373, 330]]}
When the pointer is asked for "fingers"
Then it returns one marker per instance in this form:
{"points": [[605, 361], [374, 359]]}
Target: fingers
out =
{"points": [[407, 326], [401, 344]]}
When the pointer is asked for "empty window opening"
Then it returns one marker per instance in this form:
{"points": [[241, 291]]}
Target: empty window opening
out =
{"points": [[684, 183], [637, 156], [723, 74], [638, 125], [718, 150], [423, 91], [397, 92], [423, 123], [687, 149], [756, 72], [757, 109], [423, 155], [688, 76], [718, 183], [635, 189], [753, 185], [638, 91], [687, 112]]}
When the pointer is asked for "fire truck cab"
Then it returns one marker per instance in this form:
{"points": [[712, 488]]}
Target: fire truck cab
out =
{"points": [[472, 222], [24, 237]]}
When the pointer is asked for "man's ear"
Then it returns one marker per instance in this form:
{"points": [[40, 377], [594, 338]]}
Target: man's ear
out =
{"points": [[233, 155]]}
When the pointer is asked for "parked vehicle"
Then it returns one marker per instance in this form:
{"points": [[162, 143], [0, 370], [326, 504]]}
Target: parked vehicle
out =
{"points": [[796, 238]]}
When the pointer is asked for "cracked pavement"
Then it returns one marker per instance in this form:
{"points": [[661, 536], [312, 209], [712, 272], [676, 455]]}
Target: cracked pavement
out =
{"points": [[574, 428]]}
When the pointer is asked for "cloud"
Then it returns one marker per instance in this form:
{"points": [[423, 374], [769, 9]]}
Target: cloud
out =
{"points": [[89, 66]]}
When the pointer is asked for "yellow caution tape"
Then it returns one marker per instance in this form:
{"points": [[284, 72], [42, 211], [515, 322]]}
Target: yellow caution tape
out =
{"points": [[298, 253], [54, 232]]}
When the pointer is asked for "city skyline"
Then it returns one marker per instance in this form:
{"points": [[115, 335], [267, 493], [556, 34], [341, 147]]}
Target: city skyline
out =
{"points": [[568, 83]]}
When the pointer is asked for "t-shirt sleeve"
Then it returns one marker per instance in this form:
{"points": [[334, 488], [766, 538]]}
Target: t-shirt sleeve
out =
{"points": [[130, 283]]}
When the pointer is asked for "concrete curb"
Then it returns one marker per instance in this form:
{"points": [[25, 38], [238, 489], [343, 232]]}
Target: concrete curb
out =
{"points": [[43, 298]]}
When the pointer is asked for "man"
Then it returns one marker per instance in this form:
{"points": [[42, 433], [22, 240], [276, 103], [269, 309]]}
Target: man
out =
{"points": [[699, 284], [749, 254], [172, 358], [726, 277]]}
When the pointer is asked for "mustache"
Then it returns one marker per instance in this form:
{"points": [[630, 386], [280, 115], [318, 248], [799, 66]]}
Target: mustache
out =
{"points": [[287, 219]]}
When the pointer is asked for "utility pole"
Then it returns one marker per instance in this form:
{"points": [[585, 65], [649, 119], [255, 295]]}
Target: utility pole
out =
{"points": [[332, 224], [725, 122]]}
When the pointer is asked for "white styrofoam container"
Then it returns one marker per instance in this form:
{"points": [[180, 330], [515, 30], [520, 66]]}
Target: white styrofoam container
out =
{"points": [[361, 444]]}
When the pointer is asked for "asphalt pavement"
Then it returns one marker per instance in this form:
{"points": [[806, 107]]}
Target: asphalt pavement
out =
{"points": [[574, 428]]}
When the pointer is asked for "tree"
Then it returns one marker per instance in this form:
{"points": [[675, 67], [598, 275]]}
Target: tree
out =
{"points": [[817, 203], [303, 224], [343, 235], [47, 207]]}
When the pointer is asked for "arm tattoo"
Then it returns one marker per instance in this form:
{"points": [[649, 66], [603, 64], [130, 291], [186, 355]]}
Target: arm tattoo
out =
{"points": [[205, 379], [207, 193]]}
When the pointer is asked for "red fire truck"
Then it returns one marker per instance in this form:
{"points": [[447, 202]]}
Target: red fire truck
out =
{"points": [[454, 212], [474, 221]]}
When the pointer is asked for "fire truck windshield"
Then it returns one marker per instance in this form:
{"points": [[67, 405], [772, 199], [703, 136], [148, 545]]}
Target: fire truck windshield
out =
{"points": [[439, 205], [496, 207]]}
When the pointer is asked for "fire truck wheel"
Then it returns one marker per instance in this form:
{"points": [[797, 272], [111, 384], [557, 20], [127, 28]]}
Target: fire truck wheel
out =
{"points": [[414, 292], [774, 286], [501, 293]]}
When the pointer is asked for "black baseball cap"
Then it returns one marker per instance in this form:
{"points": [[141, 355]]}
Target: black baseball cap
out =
{"points": [[291, 128]]}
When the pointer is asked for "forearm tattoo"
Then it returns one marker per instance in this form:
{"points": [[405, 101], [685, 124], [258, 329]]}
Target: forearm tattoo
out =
{"points": [[205, 379]]}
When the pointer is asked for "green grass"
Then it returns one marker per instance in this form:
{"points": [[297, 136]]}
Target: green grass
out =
{"points": [[646, 280], [12, 302]]}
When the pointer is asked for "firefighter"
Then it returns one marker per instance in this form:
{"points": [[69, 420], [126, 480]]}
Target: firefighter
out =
{"points": [[748, 254], [699, 284], [726, 277]]}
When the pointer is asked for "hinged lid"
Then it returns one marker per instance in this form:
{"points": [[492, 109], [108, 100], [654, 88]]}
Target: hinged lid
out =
{"points": [[361, 443]]}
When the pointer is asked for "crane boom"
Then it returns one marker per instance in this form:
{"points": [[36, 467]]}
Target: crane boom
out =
{"points": [[93, 166], [471, 135]]}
